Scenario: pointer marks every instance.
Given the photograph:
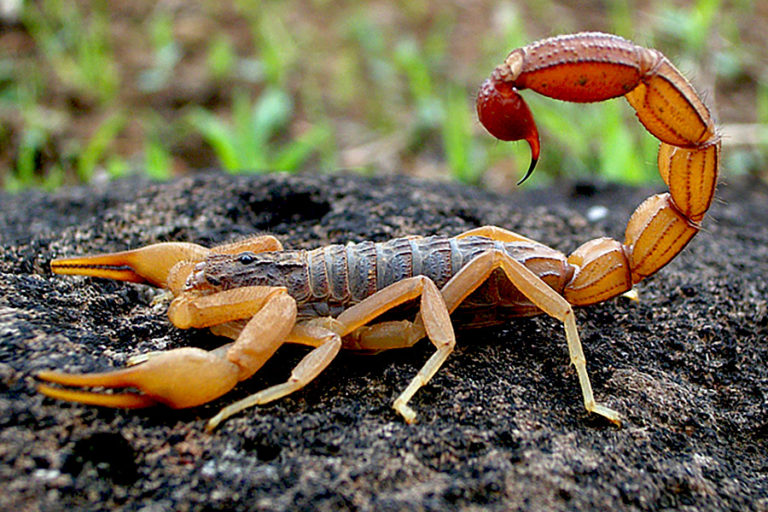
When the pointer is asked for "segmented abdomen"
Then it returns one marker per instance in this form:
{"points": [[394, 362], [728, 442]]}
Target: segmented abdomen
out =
{"points": [[341, 275]]}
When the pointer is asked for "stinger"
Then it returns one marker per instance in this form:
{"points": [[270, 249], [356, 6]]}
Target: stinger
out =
{"points": [[506, 116]]}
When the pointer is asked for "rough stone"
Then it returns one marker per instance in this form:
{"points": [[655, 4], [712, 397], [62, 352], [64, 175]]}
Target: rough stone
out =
{"points": [[500, 427]]}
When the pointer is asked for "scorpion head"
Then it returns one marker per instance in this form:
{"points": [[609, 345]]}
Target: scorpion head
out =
{"points": [[226, 271]]}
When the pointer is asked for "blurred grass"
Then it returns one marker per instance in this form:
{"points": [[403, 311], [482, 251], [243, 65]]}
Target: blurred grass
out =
{"points": [[92, 89]]}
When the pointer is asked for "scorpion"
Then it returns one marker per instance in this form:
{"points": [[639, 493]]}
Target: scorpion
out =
{"points": [[344, 296]]}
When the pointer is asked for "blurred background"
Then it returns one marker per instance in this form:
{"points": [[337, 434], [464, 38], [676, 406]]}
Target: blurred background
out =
{"points": [[92, 90]]}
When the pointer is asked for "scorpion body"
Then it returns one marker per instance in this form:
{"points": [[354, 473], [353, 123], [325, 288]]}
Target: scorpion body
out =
{"points": [[378, 296], [327, 280]]}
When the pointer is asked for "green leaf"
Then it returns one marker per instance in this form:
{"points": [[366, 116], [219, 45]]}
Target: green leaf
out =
{"points": [[157, 160], [90, 155], [218, 135]]}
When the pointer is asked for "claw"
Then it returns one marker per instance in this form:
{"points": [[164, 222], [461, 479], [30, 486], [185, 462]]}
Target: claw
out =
{"points": [[179, 378], [115, 400], [151, 264], [506, 116]]}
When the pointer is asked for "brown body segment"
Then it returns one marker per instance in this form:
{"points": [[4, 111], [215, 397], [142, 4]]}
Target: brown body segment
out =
{"points": [[361, 270]]}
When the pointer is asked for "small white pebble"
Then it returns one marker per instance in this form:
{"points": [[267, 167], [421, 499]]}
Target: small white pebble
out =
{"points": [[597, 213], [47, 474], [209, 469]]}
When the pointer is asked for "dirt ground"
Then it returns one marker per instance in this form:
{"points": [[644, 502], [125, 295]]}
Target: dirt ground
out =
{"points": [[500, 427]]}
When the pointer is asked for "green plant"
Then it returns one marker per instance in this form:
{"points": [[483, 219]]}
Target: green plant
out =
{"points": [[248, 142], [278, 53], [445, 110], [332, 78], [221, 59], [94, 150], [157, 159], [76, 46], [166, 53]]}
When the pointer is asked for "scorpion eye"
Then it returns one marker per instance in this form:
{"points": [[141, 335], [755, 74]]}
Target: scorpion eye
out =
{"points": [[246, 258]]}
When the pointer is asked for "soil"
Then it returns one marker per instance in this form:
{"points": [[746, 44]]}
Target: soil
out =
{"points": [[501, 425]]}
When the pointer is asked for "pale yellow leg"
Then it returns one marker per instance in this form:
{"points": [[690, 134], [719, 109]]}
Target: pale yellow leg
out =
{"points": [[444, 349], [328, 345], [321, 334], [385, 336], [538, 292], [495, 233], [326, 335], [229, 329], [434, 316], [259, 243]]}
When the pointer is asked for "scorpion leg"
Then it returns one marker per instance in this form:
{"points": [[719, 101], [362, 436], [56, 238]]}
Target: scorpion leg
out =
{"points": [[537, 291], [382, 336], [433, 314], [229, 329], [495, 233], [187, 377], [327, 344], [324, 335], [259, 243]]}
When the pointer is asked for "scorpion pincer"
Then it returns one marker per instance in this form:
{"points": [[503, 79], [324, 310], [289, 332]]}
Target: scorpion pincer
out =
{"points": [[337, 296]]}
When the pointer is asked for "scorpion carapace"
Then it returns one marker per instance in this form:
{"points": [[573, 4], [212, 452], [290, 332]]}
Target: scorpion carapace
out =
{"points": [[335, 297]]}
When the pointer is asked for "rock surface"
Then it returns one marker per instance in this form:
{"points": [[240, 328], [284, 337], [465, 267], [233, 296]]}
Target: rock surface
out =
{"points": [[500, 427]]}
